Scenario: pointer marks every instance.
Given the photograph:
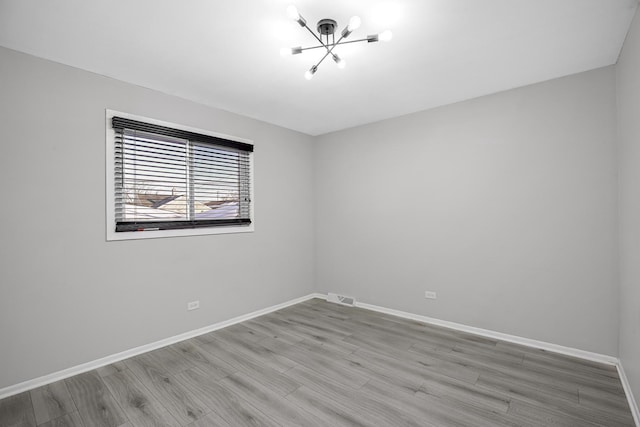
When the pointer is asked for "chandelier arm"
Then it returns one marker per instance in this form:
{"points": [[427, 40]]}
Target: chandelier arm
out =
{"points": [[312, 47], [351, 41], [323, 58], [329, 52], [316, 36], [332, 45]]}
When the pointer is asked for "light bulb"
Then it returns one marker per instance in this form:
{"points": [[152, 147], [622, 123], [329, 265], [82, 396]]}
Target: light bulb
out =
{"points": [[292, 12], [286, 51], [385, 36], [341, 62], [310, 72], [354, 23]]}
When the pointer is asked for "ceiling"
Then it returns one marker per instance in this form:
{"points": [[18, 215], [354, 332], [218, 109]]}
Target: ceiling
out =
{"points": [[226, 53]]}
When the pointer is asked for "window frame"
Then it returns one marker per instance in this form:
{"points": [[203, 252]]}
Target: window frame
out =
{"points": [[112, 235]]}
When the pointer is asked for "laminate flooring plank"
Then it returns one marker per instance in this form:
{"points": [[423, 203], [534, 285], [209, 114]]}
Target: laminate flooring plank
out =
{"points": [[177, 400], [278, 323], [69, 420], [377, 341], [385, 410], [412, 378], [382, 373], [488, 355], [215, 368], [566, 361], [273, 331], [95, 403], [170, 360], [234, 410], [257, 352], [17, 411], [328, 347], [303, 327], [146, 368], [434, 341], [271, 404], [575, 376], [570, 363], [337, 323], [441, 412], [393, 324], [137, 402], [369, 318], [606, 401], [334, 311], [321, 311], [52, 401], [162, 419], [527, 391], [335, 326], [603, 372], [474, 358], [563, 376], [308, 327], [538, 352], [509, 371], [210, 420], [158, 364], [534, 415], [543, 399], [243, 363], [459, 391], [488, 349], [239, 331], [339, 414], [412, 365], [111, 369], [320, 363], [483, 363]]}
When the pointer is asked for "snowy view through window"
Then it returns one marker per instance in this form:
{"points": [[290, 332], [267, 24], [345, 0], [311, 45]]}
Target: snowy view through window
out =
{"points": [[171, 179]]}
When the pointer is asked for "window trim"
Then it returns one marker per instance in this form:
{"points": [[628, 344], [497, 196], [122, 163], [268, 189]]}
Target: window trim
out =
{"points": [[112, 235]]}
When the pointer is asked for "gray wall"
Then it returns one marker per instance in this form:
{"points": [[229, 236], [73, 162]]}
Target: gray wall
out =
{"points": [[505, 205], [628, 79], [66, 295]]}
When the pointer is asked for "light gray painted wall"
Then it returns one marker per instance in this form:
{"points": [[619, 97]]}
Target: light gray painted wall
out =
{"points": [[66, 295], [628, 80], [505, 205]]}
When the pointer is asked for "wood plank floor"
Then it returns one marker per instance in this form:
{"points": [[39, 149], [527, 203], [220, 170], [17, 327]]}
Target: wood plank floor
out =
{"points": [[321, 364]]}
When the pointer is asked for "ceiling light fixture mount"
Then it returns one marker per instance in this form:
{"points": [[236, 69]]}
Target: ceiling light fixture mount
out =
{"points": [[327, 37]]}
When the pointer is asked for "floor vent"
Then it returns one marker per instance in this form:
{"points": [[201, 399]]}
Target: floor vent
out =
{"points": [[341, 299]]}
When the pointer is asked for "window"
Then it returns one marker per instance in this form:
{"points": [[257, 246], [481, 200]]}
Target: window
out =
{"points": [[168, 178]]}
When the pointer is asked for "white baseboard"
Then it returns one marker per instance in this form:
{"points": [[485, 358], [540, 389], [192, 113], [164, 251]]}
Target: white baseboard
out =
{"points": [[104, 361], [630, 398]]}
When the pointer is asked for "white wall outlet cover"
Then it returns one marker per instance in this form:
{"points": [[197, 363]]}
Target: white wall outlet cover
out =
{"points": [[193, 305], [430, 295]]}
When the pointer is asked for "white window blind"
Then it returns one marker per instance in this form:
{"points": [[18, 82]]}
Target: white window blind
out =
{"points": [[169, 178]]}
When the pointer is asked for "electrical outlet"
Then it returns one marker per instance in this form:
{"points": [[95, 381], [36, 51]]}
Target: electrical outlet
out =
{"points": [[430, 295], [193, 305]]}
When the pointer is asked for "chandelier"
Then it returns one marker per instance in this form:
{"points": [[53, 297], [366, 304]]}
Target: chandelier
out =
{"points": [[327, 38]]}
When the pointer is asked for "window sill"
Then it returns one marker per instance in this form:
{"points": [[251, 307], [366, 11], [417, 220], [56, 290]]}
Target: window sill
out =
{"points": [[159, 234]]}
